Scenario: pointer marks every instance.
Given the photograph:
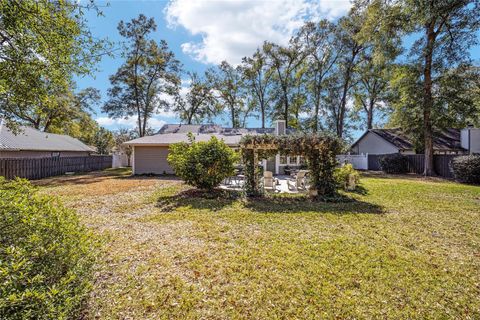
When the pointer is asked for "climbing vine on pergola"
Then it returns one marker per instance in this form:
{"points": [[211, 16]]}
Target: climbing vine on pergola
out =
{"points": [[319, 151]]}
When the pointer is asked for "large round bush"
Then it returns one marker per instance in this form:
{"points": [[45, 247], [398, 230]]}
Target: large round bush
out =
{"points": [[394, 163], [202, 164], [46, 255], [467, 169]]}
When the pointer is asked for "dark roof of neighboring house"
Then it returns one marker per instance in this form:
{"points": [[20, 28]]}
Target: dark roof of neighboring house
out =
{"points": [[35, 140], [395, 137], [446, 140], [173, 133], [209, 129]]}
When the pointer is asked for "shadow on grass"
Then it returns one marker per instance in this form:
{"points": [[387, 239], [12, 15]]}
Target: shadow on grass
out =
{"points": [[340, 204], [285, 203], [404, 176], [198, 199], [360, 190]]}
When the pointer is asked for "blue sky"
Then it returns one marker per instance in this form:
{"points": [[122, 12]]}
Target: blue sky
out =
{"points": [[201, 34], [204, 32]]}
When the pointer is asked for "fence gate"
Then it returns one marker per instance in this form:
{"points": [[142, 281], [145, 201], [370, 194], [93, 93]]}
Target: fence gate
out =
{"points": [[358, 161]]}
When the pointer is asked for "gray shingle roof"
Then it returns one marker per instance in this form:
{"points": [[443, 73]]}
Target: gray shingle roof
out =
{"points": [[446, 140], [173, 133], [165, 139], [32, 139]]}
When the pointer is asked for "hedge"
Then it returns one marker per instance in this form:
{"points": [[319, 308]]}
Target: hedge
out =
{"points": [[394, 163], [46, 255], [467, 169]]}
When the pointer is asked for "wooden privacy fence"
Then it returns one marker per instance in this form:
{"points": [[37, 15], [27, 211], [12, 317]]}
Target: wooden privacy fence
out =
{"points": [[38, 168], [416, 163]]}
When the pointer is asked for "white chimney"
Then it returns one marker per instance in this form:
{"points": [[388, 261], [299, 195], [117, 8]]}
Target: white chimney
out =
{"points": [[280, 127], [470, 139]]}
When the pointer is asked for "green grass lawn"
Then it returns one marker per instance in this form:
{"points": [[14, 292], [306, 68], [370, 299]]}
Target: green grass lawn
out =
{"points": [[403, 248]]}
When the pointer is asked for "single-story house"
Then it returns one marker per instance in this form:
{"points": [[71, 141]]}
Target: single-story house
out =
{"points": [[385, 141], [150, 153], [33, 143]]}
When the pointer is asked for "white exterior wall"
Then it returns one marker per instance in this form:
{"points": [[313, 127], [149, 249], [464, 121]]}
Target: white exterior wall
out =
{"points": [[465, 139], [280, 127], [474, 140], [470, 139], [119, 160], [151, 160], [373, 144]]}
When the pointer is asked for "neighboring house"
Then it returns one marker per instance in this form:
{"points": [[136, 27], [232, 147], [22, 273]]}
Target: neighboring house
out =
{"points": [[150, 152], [385, 141], [32, 143]]}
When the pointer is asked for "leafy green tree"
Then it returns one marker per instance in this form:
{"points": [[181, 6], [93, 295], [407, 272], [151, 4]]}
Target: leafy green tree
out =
{"points": [[349, 57], [258, 83], [148, 76], [455, 92], [198, 103], [121, 136], [203, 165], [73, 118], [43, 44], [284, 63], [318, 41], [447, 30], [103, 141], [299, 102], [370, 92], [227, 81]]}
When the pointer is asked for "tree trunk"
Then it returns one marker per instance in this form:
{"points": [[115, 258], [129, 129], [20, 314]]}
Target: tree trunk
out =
{"points": [[343, 103], [234, 123], [189, 119], [144, 129], [262, 108], [139, 124], [285, 111], [370, 115], [315, 116], [428, 100]]}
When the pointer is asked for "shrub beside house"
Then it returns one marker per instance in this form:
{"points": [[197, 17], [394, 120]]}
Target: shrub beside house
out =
{"points": [[203, 164]]}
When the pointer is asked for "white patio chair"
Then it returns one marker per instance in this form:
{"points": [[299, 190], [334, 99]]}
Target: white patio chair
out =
{"points": [[298, 183], [269, 182]]}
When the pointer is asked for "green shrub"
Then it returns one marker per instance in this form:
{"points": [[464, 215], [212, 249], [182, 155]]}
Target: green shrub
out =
{"points": [[467, 169], [343, 175], [394, 163], [202, 164], [46, 255]]}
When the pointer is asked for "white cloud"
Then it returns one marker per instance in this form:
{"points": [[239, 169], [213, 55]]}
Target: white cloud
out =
{"points": [[105, 121], [232, 29], [155, 123], [130, 123]]}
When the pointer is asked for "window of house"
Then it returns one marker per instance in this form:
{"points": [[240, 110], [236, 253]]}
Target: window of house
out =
{"points": [[283, 159]]}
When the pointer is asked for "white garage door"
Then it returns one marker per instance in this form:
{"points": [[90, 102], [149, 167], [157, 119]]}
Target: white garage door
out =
{"points": [[151, 160]]}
